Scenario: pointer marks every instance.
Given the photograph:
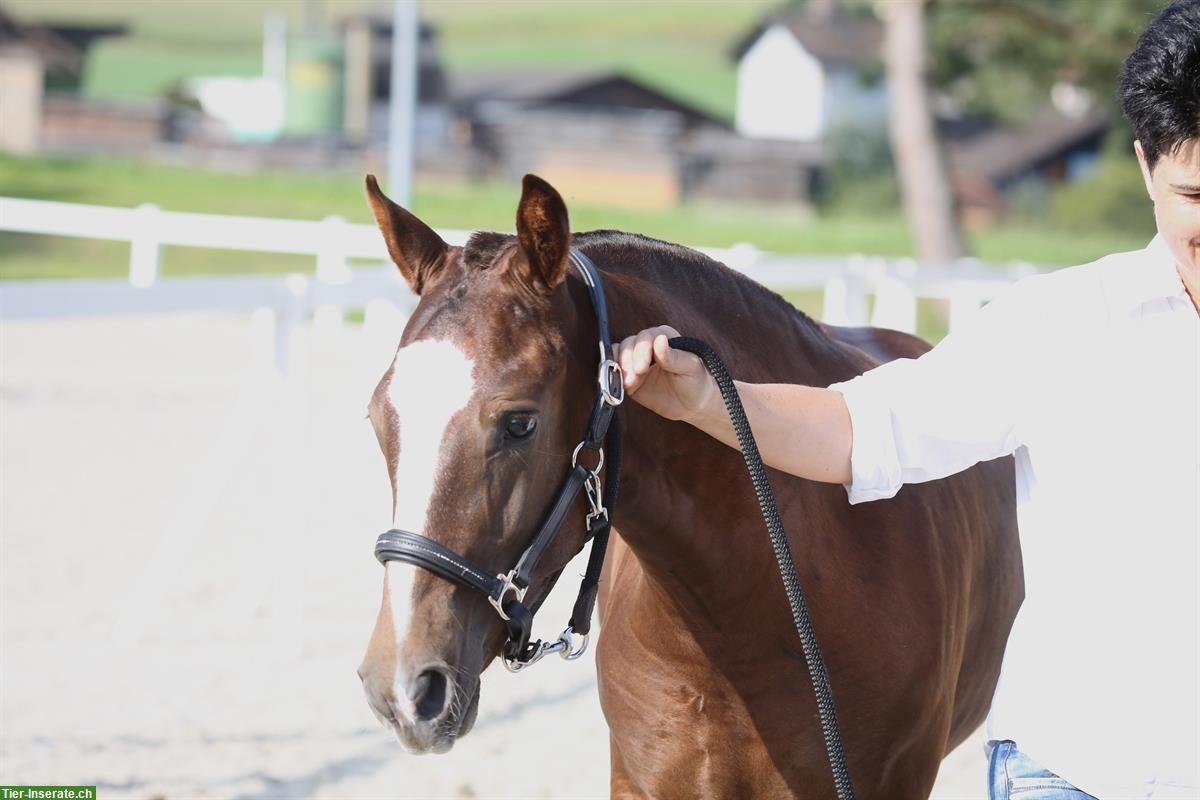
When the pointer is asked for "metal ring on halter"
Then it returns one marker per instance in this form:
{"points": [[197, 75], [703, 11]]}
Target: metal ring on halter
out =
{"points": [[568, 638], [609, 369], [506, 584], [599, 464]]}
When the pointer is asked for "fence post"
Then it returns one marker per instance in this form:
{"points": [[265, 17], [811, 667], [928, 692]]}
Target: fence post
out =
{"points": [[856, 290], [846, 294], [895, 305], [332, 268], [834, 300], [742, 256], [145, 250], [1017, 270], [288, 318]]}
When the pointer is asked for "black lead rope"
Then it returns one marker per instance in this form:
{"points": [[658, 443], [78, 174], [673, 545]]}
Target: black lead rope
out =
{"points": [[787, 565]]}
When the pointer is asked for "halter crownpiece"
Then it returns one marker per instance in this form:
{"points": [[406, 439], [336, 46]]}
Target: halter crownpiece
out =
{"points": [[506, 590]]}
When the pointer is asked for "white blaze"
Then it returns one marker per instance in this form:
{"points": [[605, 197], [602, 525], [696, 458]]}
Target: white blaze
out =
{"points": [[431, 382]]}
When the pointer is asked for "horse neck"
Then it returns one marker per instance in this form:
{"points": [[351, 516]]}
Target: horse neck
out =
{"points": [[759, 335], [682, 508]]}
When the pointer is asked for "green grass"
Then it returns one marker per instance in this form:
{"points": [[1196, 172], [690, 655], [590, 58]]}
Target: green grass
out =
{"points": [[483, 207], [682, 48], [120, 182], [138, 68], [679, 46], [1045, 245]]}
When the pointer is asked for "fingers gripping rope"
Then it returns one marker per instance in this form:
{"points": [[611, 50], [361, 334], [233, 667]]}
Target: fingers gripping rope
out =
{"points": [[783, 555]]}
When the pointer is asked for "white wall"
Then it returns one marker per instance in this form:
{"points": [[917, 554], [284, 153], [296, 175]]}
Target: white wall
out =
{"points": [[781, 90], [20, 100]]}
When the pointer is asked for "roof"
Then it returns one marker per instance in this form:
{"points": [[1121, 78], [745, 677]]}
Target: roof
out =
{"points": [[521, 85], [826, 30], [60, 46], [52, 49], [1002, 153], [544, 87]]}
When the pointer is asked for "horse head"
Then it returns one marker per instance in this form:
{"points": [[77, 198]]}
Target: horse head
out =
{"points": [[476, 416]]}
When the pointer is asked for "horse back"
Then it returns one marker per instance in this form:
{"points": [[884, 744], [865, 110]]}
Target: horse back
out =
{"points": [[880, 344]]}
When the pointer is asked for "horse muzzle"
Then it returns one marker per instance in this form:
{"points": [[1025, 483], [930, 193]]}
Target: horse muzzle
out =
{"points": [[428, 712]]}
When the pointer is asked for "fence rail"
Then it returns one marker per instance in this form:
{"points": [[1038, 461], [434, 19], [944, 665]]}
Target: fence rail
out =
{"points": [[335, 285]]}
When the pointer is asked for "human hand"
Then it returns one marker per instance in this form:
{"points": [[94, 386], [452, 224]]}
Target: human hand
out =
{"points": [[672, 383]]}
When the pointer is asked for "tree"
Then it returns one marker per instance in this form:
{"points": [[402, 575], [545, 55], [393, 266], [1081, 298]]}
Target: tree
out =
{"points": [[996, 59], [920, 163], [999, 58]]}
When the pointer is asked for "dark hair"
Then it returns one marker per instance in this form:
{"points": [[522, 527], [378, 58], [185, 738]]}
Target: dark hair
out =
{"points": [[1160, 81]]}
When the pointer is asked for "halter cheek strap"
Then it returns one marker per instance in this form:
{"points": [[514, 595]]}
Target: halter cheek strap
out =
{"points": [[506, 591]]}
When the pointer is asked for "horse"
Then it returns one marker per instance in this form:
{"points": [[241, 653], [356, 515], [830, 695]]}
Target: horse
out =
{"points": [[701, 678]]}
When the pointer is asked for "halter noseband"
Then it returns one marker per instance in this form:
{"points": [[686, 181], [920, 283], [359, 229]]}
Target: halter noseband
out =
{"points": [[506, 590]]}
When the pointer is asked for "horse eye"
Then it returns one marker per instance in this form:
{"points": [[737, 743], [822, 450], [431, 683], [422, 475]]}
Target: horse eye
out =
{"points": [[521, 425]]}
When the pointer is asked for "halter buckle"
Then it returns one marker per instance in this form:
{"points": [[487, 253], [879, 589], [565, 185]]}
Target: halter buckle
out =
{"points": [[610, 370], [506, 585]]}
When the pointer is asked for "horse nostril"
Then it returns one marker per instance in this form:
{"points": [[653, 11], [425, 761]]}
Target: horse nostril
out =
{"points": [[428, 694]]}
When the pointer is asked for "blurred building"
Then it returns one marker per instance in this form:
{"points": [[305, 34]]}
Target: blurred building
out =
{"points": [[804, 79], [598, 135], [805, 75], [367, 42], [25, 56], [989, 165], [606, 137], [41, 108]]}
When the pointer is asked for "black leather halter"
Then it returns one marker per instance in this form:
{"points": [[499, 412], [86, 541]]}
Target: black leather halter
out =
{"points": [[506, 590]]}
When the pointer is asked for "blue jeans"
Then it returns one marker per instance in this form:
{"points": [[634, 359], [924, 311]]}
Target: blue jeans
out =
{"points": [[1012, 775]]}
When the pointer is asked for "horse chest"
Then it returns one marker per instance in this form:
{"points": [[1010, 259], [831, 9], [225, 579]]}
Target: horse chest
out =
{"points": [[679, 728]]}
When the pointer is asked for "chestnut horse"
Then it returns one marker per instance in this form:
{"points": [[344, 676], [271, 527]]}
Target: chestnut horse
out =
{"points": [[701, 677]]}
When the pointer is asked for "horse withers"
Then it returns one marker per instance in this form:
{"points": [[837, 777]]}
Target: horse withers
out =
{"points": [[701, 677]]}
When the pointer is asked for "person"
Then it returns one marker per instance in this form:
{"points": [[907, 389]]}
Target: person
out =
{"points": [[1090, 378]]}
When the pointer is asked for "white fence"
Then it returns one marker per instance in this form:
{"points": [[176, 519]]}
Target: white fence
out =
{"points": [[335, 286]]}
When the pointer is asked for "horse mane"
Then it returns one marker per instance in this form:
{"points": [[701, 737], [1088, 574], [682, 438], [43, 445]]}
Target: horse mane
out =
{"points": [[697, 278], [681, 267]]}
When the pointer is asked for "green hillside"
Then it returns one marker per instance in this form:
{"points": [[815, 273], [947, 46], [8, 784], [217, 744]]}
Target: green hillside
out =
{"points": [[682, 48]]}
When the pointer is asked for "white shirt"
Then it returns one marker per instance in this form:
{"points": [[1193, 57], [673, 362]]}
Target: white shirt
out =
{"points": [[1090, 377]]}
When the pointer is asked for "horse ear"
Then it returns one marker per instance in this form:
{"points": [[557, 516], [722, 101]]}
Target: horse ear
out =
{"points": [[416, 249], [543, 231]]}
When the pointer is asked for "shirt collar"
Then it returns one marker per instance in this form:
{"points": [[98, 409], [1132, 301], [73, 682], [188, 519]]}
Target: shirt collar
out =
{"points": [[1157, 277]]}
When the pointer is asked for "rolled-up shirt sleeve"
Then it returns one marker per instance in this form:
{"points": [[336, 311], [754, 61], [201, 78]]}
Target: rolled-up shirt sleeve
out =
{"points": [[915, 420]]}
